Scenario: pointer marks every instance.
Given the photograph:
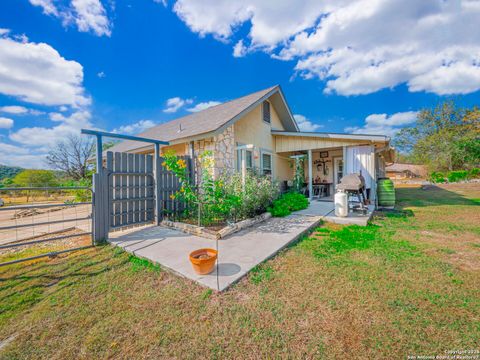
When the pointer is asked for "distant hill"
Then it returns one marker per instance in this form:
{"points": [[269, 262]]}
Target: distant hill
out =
{"points": [[9, 171]]}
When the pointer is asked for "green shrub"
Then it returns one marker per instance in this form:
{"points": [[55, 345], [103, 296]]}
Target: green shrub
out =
{"points": [[474, 173], [437, 177], [455, 176], [255, 196], [287, 203]]}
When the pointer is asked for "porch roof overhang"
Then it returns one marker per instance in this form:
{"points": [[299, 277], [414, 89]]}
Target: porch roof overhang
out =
{"points": [[301, 141]]}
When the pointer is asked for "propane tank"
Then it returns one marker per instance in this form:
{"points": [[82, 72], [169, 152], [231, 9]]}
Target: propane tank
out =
{"points": [[341, 204]]}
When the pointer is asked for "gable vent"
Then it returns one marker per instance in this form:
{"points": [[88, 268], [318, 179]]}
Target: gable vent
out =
{"points": [[266, 111]]}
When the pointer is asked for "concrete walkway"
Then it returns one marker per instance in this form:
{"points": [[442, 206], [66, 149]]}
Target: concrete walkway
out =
{"points": [[238, 253]]}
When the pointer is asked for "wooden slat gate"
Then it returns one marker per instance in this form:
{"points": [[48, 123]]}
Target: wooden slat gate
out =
{"points": [[133, 190]]}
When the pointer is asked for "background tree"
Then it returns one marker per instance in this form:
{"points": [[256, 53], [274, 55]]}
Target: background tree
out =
{"points": [[443, 138], [35, 178], [71, 156]]}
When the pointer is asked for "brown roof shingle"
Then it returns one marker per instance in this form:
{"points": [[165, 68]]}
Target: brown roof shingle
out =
{"points": [[198, 123]]}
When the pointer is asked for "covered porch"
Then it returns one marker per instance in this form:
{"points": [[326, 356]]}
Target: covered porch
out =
{"points": [[327, 157]]}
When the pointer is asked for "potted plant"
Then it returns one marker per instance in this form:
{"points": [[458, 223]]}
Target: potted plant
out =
{"points": [[203, 260]]}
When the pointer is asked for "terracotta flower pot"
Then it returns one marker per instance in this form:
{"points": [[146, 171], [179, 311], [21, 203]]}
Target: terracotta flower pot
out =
{"points": [[203, 260]]}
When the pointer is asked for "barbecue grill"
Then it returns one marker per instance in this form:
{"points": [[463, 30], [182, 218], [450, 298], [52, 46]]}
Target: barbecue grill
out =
{"points": [[354, 185]]}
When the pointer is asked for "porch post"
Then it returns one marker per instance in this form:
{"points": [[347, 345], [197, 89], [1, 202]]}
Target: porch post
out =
{"points": [[244, 167], [158, 205], [310, 175]]}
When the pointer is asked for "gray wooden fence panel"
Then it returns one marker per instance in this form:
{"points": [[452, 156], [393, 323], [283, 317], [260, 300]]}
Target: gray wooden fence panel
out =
{"points": [[142, 188], [136, 194], [131, 183], [109, 168], [150, 205], [130, 169]]}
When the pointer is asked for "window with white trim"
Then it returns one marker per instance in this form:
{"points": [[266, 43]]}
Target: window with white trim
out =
{"points": [[248, 159], [266, 164]]}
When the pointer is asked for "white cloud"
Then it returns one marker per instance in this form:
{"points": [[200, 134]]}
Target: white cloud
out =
{"points": [[47, 6], [4, 31], [87, 15], [14, 109], [55, 116], [37, 73], [5, 123], [8, 148], [383, 124], [305, 124], [239, 50], [101, 74], [355, 46], [163, 2], [135, 128], [90, 15], [203, 105], [175, 103], [45, 137], [19, 110], [12, 155]]}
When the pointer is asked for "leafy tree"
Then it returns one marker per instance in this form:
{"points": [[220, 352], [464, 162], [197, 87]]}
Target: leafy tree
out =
{"points": [[443, 138], [71, 156], [35, 178]]}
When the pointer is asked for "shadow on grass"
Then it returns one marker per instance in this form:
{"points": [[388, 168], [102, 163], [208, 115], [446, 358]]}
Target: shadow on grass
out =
{"points": [[23, 285], [431, 195]]}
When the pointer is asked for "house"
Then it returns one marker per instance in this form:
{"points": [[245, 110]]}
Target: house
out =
{"points": [[259, 131], [399, 171]]}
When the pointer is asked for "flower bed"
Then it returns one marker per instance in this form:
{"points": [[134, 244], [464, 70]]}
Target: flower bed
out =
{"points": [[221, 205], [212, 233]]}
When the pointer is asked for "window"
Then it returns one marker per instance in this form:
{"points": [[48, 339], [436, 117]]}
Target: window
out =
{"points": [[266, 164], [248, 159], [266, 111]]}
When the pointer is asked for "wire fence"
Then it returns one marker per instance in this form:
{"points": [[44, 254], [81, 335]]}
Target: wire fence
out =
{"points": [[45, 216]]}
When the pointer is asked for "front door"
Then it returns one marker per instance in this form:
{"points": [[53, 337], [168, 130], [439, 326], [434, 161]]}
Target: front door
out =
{"points": [[337, 170]]}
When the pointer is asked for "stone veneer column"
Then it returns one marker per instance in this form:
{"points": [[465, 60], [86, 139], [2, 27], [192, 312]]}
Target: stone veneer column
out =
{"points": [[224, 152]]}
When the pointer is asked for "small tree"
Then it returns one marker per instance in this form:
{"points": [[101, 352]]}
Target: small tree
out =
{"points": [[71, 156], [443, 138], [34, 178]]}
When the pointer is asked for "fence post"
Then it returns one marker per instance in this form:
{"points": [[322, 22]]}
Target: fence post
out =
{"points": [[100, 207], [157, 165]]}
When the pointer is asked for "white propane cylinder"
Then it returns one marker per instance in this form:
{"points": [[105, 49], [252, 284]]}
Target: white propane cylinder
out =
{"points": [[341, 204]]}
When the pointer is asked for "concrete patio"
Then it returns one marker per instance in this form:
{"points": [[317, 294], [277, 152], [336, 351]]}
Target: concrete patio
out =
{"points": [[237, 254], [326, 209]]}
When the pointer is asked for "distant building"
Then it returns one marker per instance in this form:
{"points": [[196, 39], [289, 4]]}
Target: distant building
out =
{"points": [[405, 171]]}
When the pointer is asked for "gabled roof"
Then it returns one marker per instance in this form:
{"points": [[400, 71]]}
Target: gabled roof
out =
{"points": [[213, 120]]}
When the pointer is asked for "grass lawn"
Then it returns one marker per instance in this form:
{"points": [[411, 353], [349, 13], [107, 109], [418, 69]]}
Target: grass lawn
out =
{"points": [[408, 284]]}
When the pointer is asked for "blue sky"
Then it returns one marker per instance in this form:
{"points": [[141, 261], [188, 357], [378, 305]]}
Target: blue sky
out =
{"points": [[123, 65]]}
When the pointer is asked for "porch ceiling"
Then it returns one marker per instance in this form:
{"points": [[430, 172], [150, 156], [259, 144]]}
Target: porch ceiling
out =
{"points": [[300, 143]]}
